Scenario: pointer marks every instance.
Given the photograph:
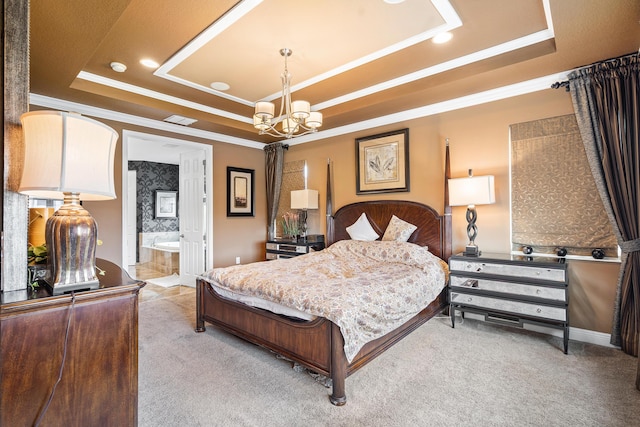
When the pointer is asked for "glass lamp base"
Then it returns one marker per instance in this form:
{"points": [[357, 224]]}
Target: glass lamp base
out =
{"points": [[71, 235]]}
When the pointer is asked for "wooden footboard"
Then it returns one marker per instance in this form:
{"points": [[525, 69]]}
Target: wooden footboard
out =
{"points": [[317, 345], [306, 342]]}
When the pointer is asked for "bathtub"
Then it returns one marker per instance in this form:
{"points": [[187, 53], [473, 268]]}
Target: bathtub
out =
{"points": [[163, 257], [168, 246]]}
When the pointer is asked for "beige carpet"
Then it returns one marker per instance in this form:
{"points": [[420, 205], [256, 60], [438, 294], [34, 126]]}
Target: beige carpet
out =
{"points": [[473, 375]]}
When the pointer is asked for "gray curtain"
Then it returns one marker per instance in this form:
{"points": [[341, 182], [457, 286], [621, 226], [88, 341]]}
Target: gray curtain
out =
{"points": [[274, 161], [606, 100]]}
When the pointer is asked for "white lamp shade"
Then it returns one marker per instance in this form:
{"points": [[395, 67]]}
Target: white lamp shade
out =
{"points": [[304, 199], [289, 125], [264, 109], [67, 152], [261, 124], [314, 120], [473, 190], [300, 109]]}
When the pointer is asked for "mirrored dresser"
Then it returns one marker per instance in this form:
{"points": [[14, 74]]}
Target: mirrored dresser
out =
{"points": [[511, 290]]}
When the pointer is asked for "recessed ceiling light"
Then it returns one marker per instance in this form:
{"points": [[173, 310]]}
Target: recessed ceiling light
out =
{"points": [[393, 1], [442, 37], [149, 63], [220, 86], [118, 67]]}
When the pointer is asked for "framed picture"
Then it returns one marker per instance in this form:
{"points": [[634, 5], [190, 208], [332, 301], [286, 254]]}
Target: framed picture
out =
{"points": [[383, 163], [240, 188], [166, 204]]}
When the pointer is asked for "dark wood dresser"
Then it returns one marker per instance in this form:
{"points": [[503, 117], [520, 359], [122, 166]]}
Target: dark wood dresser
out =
{"points": [[99, 381]]}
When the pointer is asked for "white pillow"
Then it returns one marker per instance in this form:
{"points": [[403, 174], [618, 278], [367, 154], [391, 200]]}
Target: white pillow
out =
{"points": [[362, 230], [398, 230]]}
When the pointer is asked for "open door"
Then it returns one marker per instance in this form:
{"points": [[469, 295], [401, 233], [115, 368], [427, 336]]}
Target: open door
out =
{"points": [[192, 214]]}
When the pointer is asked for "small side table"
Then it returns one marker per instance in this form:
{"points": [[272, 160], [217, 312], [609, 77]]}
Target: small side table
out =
{"points": [[283, 248]]}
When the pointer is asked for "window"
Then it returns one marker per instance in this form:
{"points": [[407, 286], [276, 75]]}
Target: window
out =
{"points": [[554, 201]]}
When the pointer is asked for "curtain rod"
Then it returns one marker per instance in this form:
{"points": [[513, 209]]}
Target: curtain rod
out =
{"points": [[565, 84], [284, 146], [558, 85]]}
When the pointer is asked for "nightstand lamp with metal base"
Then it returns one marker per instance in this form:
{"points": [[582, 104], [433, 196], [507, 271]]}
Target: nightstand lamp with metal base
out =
{"points": [[304, 200], [472, 191], [70, 157]]}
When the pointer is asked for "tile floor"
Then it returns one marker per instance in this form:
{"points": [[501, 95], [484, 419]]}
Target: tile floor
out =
{"points": [[150, 292]]}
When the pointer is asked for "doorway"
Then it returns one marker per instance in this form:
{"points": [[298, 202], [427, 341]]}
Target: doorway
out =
{"points": [[194, 236]]}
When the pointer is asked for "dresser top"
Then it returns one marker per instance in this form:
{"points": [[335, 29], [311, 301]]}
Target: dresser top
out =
{"points": [[302, 240], [534, 261], [110, 276]]}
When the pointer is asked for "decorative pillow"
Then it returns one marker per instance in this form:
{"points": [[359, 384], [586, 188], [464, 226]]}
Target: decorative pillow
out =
{"points": [[398, 230], [362, 230]]}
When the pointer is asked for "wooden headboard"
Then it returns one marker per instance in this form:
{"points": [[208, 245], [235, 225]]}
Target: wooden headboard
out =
{"points": [[433, 229]]}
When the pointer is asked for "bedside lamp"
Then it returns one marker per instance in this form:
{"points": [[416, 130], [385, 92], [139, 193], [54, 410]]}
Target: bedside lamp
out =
{"points": [[304, 200], [69, 157], [471, 191]]}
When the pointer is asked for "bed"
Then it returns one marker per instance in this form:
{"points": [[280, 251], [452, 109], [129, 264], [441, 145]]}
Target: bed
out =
{"points": [[318, 344]]}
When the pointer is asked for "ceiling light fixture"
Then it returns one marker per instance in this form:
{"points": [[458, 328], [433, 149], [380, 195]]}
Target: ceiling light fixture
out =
{"points": [[150, 63], [442, 37], [118, 67], [297, 117], [221, 86]]}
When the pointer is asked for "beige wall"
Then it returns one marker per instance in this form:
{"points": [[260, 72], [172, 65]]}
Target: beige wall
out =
{"points": [[479, 139], [238, 236]]}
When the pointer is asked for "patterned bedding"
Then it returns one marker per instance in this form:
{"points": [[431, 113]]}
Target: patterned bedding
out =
{"points": [[367, 288]]}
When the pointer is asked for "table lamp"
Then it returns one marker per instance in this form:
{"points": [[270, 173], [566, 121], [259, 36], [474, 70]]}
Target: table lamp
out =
{"points": [[471, 191], [304, 200], [69, 157]]}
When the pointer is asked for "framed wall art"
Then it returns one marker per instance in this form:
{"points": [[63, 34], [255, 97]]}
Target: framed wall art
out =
{"points": [[383, 163], [166, 204], [240, 194]]}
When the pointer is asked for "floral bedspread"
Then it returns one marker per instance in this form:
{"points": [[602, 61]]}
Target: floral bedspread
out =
{"points": [[367, 288]]}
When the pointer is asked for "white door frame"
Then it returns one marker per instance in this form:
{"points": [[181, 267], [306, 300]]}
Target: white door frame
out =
{"points": [[208, 149], [131, 200]]}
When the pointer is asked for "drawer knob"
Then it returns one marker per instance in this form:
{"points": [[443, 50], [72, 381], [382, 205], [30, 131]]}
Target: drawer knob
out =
{"points": [[538, 291], [469, 299], [539, 310]]}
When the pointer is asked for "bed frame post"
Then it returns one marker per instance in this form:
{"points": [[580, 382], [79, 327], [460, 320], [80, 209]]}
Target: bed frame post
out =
{"points": [[329, 206], [338, 367], [447, 244], [199, 309]]}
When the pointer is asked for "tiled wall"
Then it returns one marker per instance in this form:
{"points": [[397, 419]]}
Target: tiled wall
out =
{"points": [[150, 177]]}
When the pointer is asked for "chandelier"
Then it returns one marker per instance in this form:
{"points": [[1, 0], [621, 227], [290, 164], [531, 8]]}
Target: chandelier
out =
{"points": [[296, 117]]}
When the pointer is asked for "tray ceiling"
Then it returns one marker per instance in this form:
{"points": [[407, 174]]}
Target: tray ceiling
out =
{"points": [[354, 60]]}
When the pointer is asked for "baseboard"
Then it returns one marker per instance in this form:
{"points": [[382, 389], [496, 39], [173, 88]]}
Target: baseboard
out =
{"points": [[575, 334]]}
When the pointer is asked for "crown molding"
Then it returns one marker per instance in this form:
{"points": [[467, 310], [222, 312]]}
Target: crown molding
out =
{"points": [[88, 110], [497, 94]]}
